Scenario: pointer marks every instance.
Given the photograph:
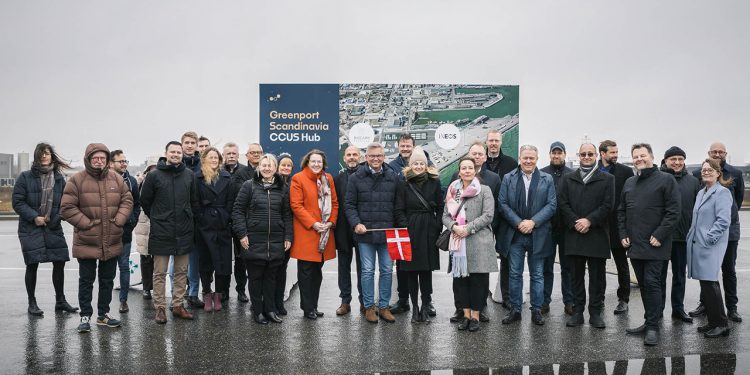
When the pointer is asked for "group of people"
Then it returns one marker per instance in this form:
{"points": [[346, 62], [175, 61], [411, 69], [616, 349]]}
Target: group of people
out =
{"points": [[200, 216]]}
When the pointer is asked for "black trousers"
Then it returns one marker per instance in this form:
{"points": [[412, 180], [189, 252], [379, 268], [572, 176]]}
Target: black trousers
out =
{"points": [[87, 273], [505, 278], [222, 282], [281, 280], [597, 282], [402, 279], [648, 273], [58, 278], [623, 274], [345, 277], [679, 272], [471, 292], [240, 268], [309, 278], [147, 271], [420, 281], [711, 292], [261, 284], [729, 277]]}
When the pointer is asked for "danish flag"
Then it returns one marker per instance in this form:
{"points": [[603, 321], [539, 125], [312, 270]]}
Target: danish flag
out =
{"points": [[399, 244]]}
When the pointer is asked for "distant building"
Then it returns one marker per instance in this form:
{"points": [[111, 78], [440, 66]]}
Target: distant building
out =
{"points": [[23, 162], [6, 166]]}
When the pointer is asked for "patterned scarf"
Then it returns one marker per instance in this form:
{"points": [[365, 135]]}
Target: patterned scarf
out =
{"points": [[457, 247], [324, 203], [47, 180]]}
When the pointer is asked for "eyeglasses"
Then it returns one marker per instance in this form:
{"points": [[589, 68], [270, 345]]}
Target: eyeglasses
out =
{"points": [[255, 152], [586, 154], [378, 156], [121, 161], [717, 152], [708, 171]]}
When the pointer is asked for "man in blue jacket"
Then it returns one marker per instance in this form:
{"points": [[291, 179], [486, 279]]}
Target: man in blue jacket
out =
{"points": [[528, 202], [370, 197]]}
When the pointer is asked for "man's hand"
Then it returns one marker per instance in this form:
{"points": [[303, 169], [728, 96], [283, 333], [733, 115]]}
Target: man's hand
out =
{"points": [[583, 225], [360, 229], [654, 242], [625, 242], [526, 226], [245, 243], [287, 245]]}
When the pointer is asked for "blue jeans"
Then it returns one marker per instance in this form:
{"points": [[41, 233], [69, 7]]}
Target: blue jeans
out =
{"points": [[565, 275], [194, 275], [518, 248], [123, 261], [367, 253]]}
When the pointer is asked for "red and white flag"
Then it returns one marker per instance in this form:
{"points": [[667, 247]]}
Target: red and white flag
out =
{"points": [[399, 244]]}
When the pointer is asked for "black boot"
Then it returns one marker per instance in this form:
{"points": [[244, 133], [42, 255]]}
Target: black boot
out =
{"points": [[424, 314], [415, 316], [63, 305], [33, 308]]}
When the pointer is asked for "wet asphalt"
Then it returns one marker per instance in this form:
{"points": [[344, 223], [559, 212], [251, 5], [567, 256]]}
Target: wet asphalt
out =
{"points": [[230, 342]]}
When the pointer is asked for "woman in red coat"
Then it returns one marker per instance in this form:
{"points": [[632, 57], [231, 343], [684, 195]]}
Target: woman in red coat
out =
{"points": [[312, 198]]}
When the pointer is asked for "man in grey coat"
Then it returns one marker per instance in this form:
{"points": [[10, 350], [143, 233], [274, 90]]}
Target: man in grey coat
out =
{"points": [[528, 202], [648, 213]]}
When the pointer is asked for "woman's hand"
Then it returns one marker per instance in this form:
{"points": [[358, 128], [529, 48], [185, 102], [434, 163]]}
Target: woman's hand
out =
{"points": [[459, 231], [320, 227], [245, 243], [40, 221], [287, 245]]}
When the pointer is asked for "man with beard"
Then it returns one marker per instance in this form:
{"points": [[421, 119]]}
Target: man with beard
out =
{"points": [[718, 152], [585, 200], [192, 159], [674, 164], [557, 169], [501, 165], [345, 245], [608, 154], [648, 214], [231, 154]]}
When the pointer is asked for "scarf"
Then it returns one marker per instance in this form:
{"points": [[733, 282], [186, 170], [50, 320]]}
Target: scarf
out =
{"points": [[417, 179], [457, 247], [523, 205], [324, 203], [47, 180], [586, 173]]}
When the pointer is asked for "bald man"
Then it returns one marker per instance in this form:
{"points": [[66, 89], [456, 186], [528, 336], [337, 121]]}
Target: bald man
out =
{"points": [[345, 245], [718, 152]]}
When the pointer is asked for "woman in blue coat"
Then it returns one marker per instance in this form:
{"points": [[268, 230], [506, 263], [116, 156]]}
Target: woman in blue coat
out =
{"points": [[36, 200], [212, 227], [707, 242]]}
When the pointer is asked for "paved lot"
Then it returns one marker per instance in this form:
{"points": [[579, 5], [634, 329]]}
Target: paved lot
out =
{"points": [[230, 341]]}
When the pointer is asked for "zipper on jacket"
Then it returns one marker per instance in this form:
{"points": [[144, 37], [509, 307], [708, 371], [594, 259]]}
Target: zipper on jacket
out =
{"points": [[268, 239]]}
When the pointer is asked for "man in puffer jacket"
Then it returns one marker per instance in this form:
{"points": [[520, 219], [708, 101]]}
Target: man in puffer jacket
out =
{"points": [[98, 203]]}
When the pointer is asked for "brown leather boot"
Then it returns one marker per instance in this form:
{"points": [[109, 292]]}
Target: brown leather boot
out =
{"points": [[371, 314], [386, 315], [343, 309], [161, 316], [180, 312]]}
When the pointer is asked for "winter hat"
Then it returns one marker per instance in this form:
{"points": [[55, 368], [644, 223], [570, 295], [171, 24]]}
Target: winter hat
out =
{"points": [[674, 151], [417, 154]]}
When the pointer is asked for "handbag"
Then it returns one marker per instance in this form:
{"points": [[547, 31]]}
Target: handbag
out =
{"points": [[445, 236]]}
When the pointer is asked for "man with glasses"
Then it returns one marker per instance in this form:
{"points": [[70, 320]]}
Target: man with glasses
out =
{"points": [[119, 163], [97, 203], [557, 169], [718, 152], [585, 200], [648, 214], [345, 246], [370, 198], [254, 152]]}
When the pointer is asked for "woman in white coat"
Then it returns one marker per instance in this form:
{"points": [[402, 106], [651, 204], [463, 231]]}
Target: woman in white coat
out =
{"points": [[707, 243]]}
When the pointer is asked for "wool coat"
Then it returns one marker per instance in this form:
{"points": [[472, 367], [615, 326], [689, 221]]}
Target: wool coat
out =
{"points": [[543, 207], [98, 205], [709, 233], [480, 244], [621, 173], [343, 233], [39, 244], [649, 206], [689, 186], [424, 224], [303, 199], [213, 234], [594, 201]]}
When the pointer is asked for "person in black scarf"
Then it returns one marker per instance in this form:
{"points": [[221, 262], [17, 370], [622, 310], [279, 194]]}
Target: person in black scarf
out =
{"points": [[36, 200]]}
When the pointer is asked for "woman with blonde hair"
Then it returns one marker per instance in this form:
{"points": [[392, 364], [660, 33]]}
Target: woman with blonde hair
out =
{"points": [[213, 232]]}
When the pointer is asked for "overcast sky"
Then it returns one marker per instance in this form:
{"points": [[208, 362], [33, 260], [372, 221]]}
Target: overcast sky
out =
{"points": [[136, 74]]}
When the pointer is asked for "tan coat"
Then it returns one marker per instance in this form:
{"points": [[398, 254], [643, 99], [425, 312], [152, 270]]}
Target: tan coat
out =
{"points": [[97, 204], [141, 232]]}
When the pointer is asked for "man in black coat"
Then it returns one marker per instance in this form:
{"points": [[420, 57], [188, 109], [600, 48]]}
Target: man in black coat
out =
{"points": [[718, 152], [648, 214], [370, 200], [191, 157], [586, 199], [240, 174], [608, 154], [674, 164], [119, 163], [168, 198], [501, 165], [345, 244], [557, 169], [492, 181]]}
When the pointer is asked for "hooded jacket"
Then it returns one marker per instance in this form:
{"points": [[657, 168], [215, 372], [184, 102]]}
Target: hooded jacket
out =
{"points": [[98, 203]]}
